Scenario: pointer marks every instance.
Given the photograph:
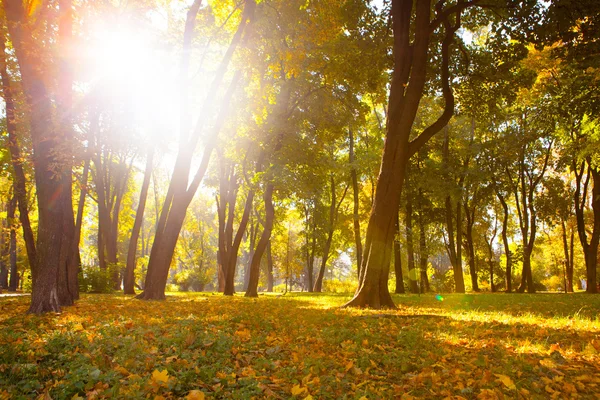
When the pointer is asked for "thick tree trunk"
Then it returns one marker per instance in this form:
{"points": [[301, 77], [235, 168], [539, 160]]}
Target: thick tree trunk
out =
{"points": [[355, 203], [20, 185], [129, 279], [261, 246], [69, 265], [47, 140], [408, 81]]}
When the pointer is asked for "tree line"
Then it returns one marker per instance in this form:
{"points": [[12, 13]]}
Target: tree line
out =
{"points": [[254, 144]]}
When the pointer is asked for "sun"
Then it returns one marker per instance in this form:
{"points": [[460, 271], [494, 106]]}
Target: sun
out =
{"points": [[128, 64]]}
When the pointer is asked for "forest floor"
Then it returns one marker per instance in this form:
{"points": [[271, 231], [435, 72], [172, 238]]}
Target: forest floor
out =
{"points": [[483, 346]]}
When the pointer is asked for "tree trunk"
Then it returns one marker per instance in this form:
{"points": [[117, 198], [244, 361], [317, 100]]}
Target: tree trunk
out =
{"points": [[413, 276], [470, 214], [590, 249], [20, 182], [330, 228], [423, 254], [454, 247], [398, 258], [229, 288], [5, 228], [356, 203], [507, 252], [265, 237], [12, 250], [47, 140], [269, 268], [129, 281]]}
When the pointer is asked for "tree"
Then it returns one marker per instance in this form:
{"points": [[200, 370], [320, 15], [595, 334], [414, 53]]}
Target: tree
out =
{"points": [[409, 77], [52, 285]]}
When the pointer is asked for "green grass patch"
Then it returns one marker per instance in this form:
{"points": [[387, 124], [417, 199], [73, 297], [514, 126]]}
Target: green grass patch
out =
{"points": [[301, 345]]}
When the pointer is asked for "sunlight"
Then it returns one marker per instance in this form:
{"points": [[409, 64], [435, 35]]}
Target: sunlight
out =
{"points": [[127, 63]]}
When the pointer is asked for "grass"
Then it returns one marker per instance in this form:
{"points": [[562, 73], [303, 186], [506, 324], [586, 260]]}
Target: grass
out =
{"points": [[483, 346]]}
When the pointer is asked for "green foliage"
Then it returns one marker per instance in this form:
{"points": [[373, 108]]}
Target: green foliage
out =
{"points": [[338, 286], [97, 280]]}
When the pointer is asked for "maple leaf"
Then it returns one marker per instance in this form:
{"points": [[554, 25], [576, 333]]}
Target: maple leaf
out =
{"points": [[296, 390], [160, 377], [506, 381]]}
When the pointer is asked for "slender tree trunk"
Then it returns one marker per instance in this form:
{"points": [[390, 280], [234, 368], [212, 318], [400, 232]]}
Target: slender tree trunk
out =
{"points": [[356, 203], [413, 276], [398, 259], [12, 250], [229, 288], [507, 252], [470, 214], [269, 268], [423, 254], [330, 228], [5, 228], [262, 242], [129, 281], [590, 248]]}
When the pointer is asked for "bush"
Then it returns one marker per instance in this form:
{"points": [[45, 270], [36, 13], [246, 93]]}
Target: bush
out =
{"points": [[96, 280], [337, 286]]}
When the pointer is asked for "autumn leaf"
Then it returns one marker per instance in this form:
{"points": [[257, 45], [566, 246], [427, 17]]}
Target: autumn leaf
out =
{"points": [[160, 377], [195, 395], [506, 381], [297, 390]]}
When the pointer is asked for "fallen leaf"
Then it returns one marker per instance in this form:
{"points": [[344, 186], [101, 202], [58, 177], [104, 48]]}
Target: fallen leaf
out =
{"points": [[195, 395], [506, 381]]}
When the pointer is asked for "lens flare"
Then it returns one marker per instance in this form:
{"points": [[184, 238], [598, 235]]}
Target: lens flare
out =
{"points": [[439, 297]]}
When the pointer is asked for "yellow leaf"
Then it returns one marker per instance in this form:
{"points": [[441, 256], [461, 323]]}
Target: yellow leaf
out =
{"points": [[363, 398], [506, 381], [296, 390], [160, 377], [309, 397], [121, 370], [349, 366], [195, 395]]}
